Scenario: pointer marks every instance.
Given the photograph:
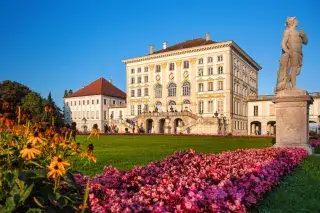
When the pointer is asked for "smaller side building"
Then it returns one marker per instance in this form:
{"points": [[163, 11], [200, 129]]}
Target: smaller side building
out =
{"points": [[262, 115], [90, 105]]}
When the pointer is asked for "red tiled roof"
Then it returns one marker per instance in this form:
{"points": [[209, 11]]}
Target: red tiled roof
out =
{"points": [[99, 87], [187, 44]]}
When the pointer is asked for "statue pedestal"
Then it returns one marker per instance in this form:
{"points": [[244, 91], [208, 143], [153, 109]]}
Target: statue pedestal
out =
{"points": [[292, 119]]}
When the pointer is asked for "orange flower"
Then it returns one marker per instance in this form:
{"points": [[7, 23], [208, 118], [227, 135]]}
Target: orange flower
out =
{"points": [[29, 152], [58, 161], [35, 138], [54, 172]]}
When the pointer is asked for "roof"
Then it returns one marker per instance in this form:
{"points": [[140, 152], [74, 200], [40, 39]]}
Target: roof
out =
{"points": [[99, 87], [187, 44]]}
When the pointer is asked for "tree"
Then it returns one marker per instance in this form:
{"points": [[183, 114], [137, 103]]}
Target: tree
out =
{"points": [[32, 102], [50, 100], [65, 93]]}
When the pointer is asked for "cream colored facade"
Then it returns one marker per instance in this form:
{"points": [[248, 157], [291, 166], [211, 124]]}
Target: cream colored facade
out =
{"points": [[202, 80], [261, 114], [89, 110]]}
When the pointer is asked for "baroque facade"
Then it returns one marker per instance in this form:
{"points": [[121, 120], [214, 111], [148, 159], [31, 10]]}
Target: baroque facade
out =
{"points": [[90, 105], [199, 76]]}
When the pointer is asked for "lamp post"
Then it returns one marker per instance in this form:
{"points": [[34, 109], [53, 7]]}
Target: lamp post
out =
{"points": [[84, 120]]}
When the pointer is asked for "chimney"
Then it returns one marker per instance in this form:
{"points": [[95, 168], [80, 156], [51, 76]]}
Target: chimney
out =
{"points": [[165, 45], [208, 37], [151, 49], [110, 80]]}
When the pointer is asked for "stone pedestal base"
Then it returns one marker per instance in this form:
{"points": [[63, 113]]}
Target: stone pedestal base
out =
{"points": [[292, 119]]}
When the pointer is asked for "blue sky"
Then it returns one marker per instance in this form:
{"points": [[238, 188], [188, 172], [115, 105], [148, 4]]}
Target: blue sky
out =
{"points": [[57, 45]]}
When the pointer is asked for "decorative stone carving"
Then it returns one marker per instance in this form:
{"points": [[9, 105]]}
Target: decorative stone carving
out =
{"points": [[163, 65], [171, 76], [291, 60], [178, 63], [151, 67], [193, 60]]}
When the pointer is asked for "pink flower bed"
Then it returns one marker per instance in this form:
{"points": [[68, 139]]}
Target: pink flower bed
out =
{"points": [[193, 182], [315, 142]]}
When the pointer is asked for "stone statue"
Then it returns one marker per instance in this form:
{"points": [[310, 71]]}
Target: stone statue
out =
{"points": [[291, 60]]}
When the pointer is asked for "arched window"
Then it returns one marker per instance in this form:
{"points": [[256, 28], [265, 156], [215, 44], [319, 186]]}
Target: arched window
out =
{"points": [[186, 89], [186, 64], [186, 102], [172, 90], [158, 91], [172, 103], [200, 61], [210, 59], [158, 104]]}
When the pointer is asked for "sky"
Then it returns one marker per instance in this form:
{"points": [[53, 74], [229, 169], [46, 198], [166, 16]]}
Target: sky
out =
{"points": [[51, 46]]}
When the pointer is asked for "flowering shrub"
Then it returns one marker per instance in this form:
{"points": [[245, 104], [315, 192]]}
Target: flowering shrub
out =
{"points": [[35, 162], [193, 182], [315, 142]]}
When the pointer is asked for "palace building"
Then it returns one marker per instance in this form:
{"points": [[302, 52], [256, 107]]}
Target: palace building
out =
{"points": [[198, 86]]}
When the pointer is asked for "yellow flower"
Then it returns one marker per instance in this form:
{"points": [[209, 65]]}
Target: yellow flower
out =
{"points": [[29, 152], [89, 153], [54, 172], [35, 138], [58, 161]]}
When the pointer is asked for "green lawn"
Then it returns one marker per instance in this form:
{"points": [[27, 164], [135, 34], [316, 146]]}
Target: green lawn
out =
{"points": [[123, 152], [299, 192]]}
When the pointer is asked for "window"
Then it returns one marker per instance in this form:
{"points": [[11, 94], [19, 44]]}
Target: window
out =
{"points": [[158, 91], [200, 107], [255, 110], [67, 103], [105, 115], [210, 106], [171, 66], [88, 102], [139, 93], [200, 71], [220, 70], [158, 68], [139, 80], [105, 101], [132, 80], [92, 114], [139, 109], [97, 114], [146, 91], [132, 93], [200, 61], [113, 102], [75, 103], [220, 85], [146, 108], [88, 115], [83, 102], [120, 114], [210, 86], [70, 103], [186, 89], [146, 69], [220, 58], [97, 101], [132, 71], [210, 59], [220, 106], [172, 89], [172, 103], [186, 64], [146, 79], [210, 71], [139, 70], [79, 103], [132, 109], [200, 87]]}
